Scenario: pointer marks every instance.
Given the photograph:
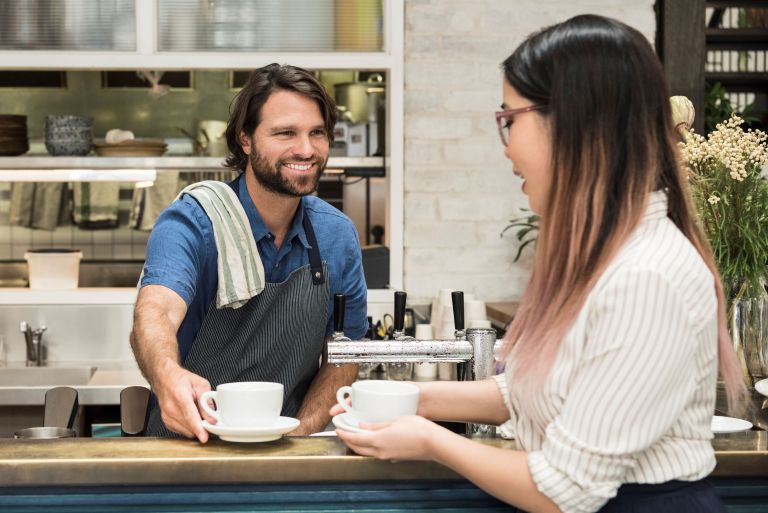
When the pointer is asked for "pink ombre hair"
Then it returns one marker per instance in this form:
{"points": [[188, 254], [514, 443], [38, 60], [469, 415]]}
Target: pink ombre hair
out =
{"points": [[613, 143]]}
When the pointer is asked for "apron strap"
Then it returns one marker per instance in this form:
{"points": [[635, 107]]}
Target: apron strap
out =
{"points": [[315, 263]]}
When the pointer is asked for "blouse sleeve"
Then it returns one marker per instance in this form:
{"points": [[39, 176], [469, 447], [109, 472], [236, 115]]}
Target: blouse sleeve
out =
{"points": [[501, 382], [634, 379]]}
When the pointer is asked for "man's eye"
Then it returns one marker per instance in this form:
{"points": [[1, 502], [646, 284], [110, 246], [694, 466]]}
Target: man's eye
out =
{"points": [[286, 133], [507, 123], [318, 132]]}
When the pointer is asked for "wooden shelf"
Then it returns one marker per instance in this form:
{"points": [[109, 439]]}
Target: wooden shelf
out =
{"points": [[32, 162]]}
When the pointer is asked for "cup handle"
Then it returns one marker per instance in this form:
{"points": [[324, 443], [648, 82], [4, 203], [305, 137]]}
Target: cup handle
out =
{"points": [[342, 399], [211, 394]]}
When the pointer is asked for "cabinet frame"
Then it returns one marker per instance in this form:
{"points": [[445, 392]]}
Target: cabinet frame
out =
{"points": [[146, 56]]}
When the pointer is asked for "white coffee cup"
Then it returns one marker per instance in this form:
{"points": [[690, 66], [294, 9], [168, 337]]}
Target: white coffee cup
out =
{"points": [[379, 400], [245, 404]]}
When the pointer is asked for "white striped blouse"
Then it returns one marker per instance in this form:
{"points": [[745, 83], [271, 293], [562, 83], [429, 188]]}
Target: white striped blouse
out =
{"points": [[631, 393]]}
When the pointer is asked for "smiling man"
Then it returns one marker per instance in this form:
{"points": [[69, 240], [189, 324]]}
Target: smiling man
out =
{"points": [[279, 134]]}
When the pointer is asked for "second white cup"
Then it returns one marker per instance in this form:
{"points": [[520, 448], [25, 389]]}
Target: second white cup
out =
{"points": [[379, 400], [246, 404]]}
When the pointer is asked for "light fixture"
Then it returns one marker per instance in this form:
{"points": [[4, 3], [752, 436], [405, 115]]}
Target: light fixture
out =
{"points": [[78, 175]]}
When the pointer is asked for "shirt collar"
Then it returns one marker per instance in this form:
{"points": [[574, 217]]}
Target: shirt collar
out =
{"points": [[657, 207], [258, 227]]}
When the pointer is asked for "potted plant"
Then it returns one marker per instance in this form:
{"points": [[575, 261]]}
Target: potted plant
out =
{"points": [[730, 192]]}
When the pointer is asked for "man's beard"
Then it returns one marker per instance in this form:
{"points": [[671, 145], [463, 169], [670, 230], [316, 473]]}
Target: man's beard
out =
{"points": [[272, 179]]}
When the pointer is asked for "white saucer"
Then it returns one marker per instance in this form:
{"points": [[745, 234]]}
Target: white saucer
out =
{"points": [[324, 433], [729, 424], [247, 434], [762, 387], [347, 422]]}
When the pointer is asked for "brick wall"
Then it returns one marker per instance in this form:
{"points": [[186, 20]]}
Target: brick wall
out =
{"points": [[459, 188]]}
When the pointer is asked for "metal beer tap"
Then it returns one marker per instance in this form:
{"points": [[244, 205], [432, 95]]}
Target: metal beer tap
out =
{"points": [[474, 348]]}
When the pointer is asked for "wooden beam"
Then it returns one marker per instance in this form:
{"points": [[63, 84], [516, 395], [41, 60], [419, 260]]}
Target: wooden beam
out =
{"points": [[683, 50]]}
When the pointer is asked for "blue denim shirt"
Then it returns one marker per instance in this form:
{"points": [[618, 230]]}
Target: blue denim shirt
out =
{"points": [[181, 255]]}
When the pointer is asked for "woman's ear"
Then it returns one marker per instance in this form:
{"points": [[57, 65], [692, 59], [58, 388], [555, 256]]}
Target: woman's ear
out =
{"points": [[245, 143]]}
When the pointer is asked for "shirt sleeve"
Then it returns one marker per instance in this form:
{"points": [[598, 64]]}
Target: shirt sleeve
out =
{"points": [[632, 383], [177, 248], [353, 286], [501, 382]]}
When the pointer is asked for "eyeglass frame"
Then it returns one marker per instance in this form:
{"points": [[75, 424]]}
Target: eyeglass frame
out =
{"points": [[511, 113]]}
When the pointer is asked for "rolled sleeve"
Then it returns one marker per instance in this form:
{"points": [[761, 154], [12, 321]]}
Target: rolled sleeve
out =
{"points": [[501, 382], [630, 387], [177, 249]]}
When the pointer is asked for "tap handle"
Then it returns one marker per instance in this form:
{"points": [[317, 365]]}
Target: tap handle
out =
{"points": [[400, 310], [458, 309], [339, 304]]}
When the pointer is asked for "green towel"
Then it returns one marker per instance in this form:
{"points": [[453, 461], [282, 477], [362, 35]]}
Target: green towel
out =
{"points": [[95, 204], [240, 271]]}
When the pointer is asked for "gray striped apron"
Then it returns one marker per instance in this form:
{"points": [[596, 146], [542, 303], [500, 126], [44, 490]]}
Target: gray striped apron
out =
{"points": [[276, 336]]}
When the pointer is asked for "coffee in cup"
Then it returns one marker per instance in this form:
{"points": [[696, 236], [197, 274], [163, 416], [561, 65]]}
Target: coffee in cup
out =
{"points": [[245, 404], [379, 400]]}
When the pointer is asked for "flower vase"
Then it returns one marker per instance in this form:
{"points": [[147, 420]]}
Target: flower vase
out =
{"points": [[749, 329]]}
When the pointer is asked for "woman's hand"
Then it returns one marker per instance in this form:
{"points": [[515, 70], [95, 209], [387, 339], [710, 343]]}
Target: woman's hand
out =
{"points": [[406, 438], [336, 409]]}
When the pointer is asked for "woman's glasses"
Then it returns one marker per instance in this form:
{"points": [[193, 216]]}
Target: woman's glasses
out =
{"points": [[504, 119]]}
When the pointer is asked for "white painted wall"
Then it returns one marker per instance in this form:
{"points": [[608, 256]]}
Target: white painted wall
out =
{"points": [[459, 188]]}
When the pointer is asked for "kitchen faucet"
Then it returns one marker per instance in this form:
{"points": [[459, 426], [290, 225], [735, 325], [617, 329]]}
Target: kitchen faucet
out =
{"points": [[34, 340], [474, 349]]}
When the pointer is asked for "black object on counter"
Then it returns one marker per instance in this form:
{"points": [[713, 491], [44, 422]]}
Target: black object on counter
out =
{"points": [[400, 298], [339, 304], [134, 410], [376, 266], [60, 407], [457, 299]]}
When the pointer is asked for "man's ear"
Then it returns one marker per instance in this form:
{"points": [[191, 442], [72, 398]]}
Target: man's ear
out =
{"points": [[245, 143]]}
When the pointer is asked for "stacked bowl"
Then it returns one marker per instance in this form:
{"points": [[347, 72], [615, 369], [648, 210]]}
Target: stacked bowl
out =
{"points": [[68, 135], [13, 135]]}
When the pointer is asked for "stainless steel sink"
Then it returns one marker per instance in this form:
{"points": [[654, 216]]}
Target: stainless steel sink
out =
{"points": [[45, 376]]}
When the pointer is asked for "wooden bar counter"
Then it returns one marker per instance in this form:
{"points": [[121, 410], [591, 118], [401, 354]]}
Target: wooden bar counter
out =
{"points": [[297, 474]]}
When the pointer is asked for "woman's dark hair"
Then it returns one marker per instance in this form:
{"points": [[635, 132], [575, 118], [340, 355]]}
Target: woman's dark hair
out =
{"points": [[612, 143], [245, 109]]}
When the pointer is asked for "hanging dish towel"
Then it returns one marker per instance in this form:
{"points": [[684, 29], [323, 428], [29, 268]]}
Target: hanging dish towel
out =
{"points": [[240, 271], [95, 204], [36, 205], [149, 202]]}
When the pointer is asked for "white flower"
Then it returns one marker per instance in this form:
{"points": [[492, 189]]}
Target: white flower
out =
{"points": [[682, 112], [713, 200]]}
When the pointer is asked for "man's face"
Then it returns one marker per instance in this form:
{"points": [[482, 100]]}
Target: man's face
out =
{"points": [[289, 148]]}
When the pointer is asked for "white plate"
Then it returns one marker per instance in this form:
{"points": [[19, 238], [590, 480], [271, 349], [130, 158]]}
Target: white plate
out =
{"points": [[261, 434], [347, 422], [762, 387], [729, 425]]}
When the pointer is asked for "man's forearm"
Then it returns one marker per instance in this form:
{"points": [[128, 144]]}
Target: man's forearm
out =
{"points": [[321, 396], [153, 341]]}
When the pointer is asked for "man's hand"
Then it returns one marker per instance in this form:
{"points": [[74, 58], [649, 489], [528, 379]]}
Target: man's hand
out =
{"points": [[178, 392], [321, 395]]}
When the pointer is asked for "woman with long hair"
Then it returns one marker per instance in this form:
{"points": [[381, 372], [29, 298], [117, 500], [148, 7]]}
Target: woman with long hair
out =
{"points": [[612, 358]]}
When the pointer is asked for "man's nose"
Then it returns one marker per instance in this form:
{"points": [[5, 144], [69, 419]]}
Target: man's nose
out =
{"points": [[304, 147]]}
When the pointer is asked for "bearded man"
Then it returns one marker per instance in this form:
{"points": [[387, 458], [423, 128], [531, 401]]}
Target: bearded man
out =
{"points": [[184, 340]]}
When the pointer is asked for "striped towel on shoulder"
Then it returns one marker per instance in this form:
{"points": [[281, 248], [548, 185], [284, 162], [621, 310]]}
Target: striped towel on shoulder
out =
{"points": [[241, 273]]}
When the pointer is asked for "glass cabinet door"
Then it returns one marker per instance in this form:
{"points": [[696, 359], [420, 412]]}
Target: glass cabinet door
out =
{"points": [[68, 25], [270, 26]]}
